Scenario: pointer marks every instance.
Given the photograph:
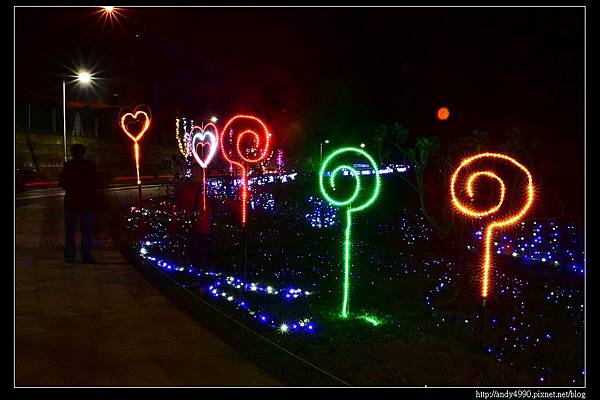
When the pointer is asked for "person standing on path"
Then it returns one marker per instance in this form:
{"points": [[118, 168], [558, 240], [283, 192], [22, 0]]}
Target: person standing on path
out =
{"points": [[79, 180]]}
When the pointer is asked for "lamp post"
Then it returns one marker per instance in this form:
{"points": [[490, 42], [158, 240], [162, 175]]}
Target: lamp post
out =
{"points": [[326, 142], [362, 146], [82, 77]]}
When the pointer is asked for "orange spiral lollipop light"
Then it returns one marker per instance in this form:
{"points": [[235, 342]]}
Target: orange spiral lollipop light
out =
{"points": [[496, 224], [236, 156]]}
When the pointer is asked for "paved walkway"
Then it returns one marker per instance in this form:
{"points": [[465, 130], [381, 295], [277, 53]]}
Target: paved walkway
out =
{"points": [[104, 324]]}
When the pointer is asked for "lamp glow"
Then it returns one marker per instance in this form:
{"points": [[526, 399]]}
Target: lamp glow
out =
{"points": [[349, 202], [84, 77]]}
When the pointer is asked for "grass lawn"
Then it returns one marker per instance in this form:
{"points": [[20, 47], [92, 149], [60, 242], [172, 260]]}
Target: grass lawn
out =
{"points": [[423, 290]]}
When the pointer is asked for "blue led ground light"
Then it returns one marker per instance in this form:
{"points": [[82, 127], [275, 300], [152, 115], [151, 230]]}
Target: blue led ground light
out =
{"points": [[234, 295]]}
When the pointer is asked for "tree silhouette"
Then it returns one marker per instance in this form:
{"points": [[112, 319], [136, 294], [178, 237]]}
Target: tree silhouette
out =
{"points": [[416, 152]]}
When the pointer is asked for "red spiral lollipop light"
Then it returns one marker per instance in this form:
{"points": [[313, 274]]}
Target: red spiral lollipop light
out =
{"points": [[236, 156]]}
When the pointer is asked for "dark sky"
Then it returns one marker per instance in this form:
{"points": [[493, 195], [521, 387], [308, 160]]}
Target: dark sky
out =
{"points": [[335, 72]]}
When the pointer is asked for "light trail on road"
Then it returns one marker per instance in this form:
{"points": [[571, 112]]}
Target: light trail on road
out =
{"points": [[61, 192]]}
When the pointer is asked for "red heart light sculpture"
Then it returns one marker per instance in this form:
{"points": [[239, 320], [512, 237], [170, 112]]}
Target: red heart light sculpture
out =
{"points": [[199, 136], [124, 123]]}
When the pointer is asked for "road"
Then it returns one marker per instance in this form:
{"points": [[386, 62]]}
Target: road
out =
{"points": [[104, 324]]}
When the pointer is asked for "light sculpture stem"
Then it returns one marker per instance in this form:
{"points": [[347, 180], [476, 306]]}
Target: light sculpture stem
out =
{"points": [[350, 202], [495, 224]]}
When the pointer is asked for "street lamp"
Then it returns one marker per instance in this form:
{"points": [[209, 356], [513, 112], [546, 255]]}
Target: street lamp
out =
{"points": [[85, 78], [213, 119], [362, 145], [326, 142]]}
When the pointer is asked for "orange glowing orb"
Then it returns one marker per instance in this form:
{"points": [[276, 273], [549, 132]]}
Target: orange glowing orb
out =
{"points": [[443, 113]]}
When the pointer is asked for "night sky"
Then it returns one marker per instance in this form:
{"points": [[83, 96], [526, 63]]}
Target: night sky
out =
{"points": [[336, 72]]}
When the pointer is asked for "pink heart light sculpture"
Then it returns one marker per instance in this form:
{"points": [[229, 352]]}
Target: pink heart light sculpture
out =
{"points": [[198, 137]]}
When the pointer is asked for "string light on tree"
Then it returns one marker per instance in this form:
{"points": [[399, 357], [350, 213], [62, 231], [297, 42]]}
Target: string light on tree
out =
{"points": [[182, 143], [280, 162]]}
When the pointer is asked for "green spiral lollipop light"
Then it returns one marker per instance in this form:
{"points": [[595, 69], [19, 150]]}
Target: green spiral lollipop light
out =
{"points": [[326, 183]]}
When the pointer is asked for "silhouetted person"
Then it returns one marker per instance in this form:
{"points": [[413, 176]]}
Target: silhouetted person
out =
{"points": [[79, 180]]}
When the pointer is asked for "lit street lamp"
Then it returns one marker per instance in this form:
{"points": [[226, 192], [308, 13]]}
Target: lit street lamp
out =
{"points": [[85, 78], [326, 142], [362, 146]]}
